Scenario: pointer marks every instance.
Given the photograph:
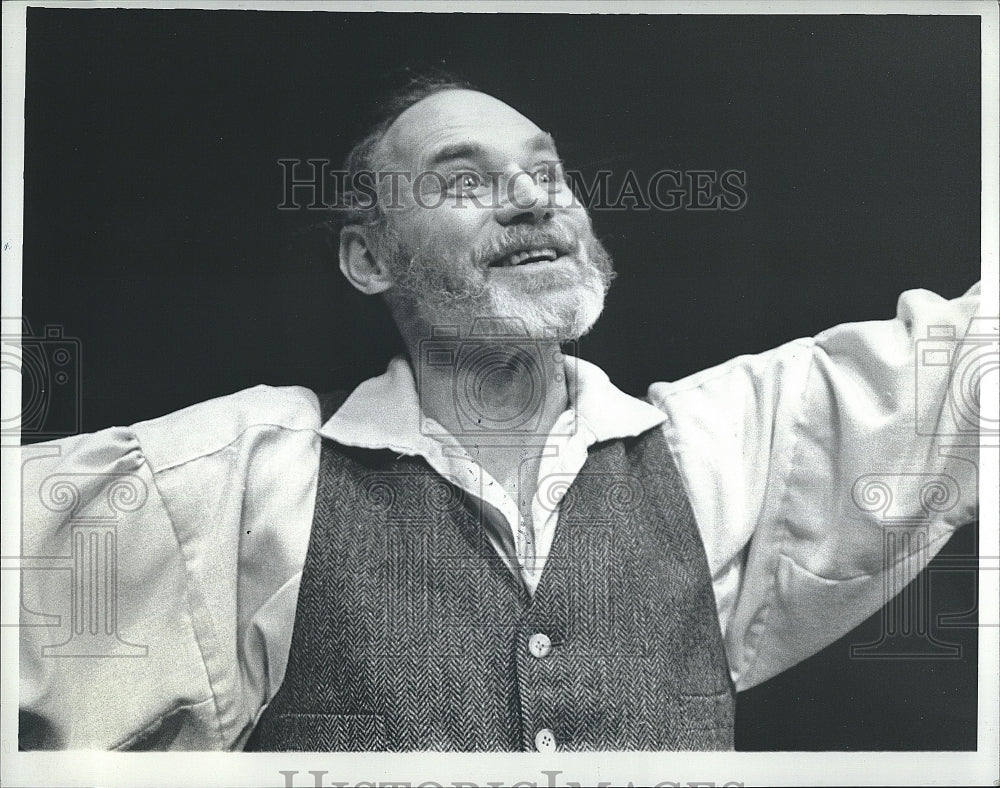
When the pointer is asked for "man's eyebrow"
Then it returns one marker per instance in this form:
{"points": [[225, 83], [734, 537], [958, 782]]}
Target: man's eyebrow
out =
{"points": [[542, 141], [473, 150], [458, 150]]}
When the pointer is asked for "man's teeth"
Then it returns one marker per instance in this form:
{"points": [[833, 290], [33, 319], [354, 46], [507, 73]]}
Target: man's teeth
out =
{"points": [[531, 255]]}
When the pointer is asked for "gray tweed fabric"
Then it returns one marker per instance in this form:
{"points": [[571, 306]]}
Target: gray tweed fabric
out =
{"points": [[411, 634]]}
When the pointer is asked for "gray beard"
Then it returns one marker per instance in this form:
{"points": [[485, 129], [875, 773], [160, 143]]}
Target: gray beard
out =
{"points": [[438, 289]]}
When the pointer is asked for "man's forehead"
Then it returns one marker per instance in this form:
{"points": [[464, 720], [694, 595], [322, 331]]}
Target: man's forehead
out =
{"points": [[453, 115]]}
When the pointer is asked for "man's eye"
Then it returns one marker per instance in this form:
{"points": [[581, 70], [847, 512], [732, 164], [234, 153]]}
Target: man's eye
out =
{"points": [[466, 180], [548, 174]]}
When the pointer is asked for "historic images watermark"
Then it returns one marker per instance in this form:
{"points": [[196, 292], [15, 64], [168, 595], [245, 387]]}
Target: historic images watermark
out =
{"points": [[312, 184], [550, 778]]}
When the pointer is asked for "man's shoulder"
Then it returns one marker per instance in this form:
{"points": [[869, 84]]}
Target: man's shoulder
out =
{"points": [[213, 425], [738, 376]]}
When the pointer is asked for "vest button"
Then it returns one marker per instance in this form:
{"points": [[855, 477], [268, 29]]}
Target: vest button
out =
{"points": [[539, 645], [545, 740]]}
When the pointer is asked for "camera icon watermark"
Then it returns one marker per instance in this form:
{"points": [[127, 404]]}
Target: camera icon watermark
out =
{"points": [[950, 371], [47, 366], [498, 354]]}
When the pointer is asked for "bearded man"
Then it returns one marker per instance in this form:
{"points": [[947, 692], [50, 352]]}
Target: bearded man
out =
{"points": [[489, 546]]}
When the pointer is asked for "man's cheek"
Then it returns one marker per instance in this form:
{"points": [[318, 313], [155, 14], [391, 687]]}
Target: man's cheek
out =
{"points": [[583, 232], [577, 218]]}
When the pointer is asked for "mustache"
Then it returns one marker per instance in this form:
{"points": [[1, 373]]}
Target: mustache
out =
{"points": [[519, 237]]}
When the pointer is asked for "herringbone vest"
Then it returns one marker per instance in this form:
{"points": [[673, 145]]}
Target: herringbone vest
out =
{"points": [[411, 634]]}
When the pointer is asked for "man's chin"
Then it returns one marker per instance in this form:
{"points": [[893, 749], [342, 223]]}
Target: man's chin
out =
{"points": [[558, 313]]}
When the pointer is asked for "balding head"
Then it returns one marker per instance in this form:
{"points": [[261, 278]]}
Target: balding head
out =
{"points": [[450, 117]]}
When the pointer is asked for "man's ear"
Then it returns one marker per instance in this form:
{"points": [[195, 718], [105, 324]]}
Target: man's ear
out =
{"points": [[359, 265]]}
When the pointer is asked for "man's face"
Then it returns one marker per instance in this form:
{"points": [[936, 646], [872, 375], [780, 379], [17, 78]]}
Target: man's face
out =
{"points": [[486, 225]]}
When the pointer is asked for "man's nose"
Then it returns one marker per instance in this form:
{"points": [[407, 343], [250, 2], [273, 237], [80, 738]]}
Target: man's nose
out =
{"points": [[524, 202]]}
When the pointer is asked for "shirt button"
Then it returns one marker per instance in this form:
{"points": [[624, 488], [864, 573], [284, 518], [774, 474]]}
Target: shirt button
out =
{"points": [[545, 740], [539, 645]]}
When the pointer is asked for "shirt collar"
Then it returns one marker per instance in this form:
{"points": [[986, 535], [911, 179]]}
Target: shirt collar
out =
{"points": [[384, 411]]}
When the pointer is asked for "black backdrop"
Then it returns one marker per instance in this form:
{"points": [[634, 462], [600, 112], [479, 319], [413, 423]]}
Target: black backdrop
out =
{"points": [[152, 231]]}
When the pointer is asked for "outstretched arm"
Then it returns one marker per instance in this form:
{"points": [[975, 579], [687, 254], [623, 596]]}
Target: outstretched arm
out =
{"points": [[160, 573], [829, 470]]}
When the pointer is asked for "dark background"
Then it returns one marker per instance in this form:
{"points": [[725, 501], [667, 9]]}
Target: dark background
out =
{"points": [[152, 233]]}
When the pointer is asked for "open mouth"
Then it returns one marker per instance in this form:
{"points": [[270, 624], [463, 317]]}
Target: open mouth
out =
{"points": [[527, 257]]}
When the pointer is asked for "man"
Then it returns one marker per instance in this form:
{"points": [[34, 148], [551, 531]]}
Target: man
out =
{"points": [[489, 547]]}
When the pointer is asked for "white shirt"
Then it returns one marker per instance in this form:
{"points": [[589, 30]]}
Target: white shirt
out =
{"points": [[783, 455]]}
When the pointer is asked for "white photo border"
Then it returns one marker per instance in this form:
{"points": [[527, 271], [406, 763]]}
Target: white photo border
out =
{"points": [[265, 769]]}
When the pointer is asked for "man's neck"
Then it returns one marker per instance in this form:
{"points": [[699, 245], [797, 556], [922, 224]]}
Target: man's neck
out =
{"points": [[492, 395]]}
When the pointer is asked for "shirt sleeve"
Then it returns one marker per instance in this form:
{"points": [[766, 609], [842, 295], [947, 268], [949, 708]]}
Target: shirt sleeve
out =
{"points": [[828, 470], [108, 647], [160, 574]]}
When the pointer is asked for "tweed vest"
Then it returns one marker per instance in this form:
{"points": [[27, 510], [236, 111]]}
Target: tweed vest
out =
{"points": [[411, 634]]}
